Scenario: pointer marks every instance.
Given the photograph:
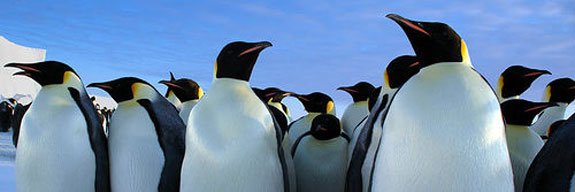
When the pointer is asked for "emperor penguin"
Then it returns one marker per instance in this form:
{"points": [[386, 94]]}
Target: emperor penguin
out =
{"points": [[171, 96], [279, 115], [61, 144], [315, 104], [188, 92], [232, 140], [522, 142], [274, 98], [356, 111], [366, 137], [443, 130], [320, 156], [560, 91], [515, 80], [357, 130], [146, 137], [553, 169]]}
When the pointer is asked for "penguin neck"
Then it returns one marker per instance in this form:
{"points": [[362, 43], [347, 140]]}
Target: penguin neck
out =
{"points": [[55, 94]]}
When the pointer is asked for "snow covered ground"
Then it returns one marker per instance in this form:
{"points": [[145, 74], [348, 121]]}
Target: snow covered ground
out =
{"points": [[7, 154]]}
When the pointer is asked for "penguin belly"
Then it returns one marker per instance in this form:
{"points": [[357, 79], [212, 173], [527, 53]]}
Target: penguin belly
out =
{"points": [[186, 109], [136, 158], [444, 132], [321, 165], [523, 144], [352, 115], [231, 143], [54, 151], [548, 117]]}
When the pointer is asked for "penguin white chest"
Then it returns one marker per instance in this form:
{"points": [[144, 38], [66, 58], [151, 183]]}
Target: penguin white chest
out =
{"points": [[299, 127], [523, 144], [54, 151], [136, 158], [352, 115], [321, 165], [444, 132], [186, 109]]}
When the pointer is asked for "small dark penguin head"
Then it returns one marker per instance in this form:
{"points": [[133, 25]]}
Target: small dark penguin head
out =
{"points": [[275, 94], [316, 102], [127, 88], [373, 98], [325, 127], [360, 91], [517, 79], [185, 89], [522, 112], [237, 59], [560, 90], [433, 42], [400, 70], [48, 73]]}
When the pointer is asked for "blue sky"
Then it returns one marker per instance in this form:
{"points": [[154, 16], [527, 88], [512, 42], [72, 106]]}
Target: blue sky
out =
{"points": [[318, 46]]}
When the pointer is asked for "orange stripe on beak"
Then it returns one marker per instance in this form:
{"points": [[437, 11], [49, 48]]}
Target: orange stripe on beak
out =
{"points": [[251, 50], [414, 64], [413, 26]]}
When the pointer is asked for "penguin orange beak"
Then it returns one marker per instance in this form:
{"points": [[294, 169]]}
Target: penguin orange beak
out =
{"points": [[170, 84], [300, 97], [537, 73], [257, 47], [541, 107], [103, 86], [406, 23], [27, 70], [348, 89]]}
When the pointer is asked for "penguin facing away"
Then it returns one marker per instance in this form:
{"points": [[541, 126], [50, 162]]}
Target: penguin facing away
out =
{"points": [[560, 91], [356, 111], [366, 137], [553, 169], [61, 145], [146, 138], [232, 141], [523, 143], [515, 80], [320, 156], [444, 124], [171, 96], [188, 92]]}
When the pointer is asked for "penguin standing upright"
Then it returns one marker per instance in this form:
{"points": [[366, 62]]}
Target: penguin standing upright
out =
{"points": [[366, 137], [443, 130], [560, 91], [356, 111], [523, 143], [315, 104], [188, 92], [146, 138], [320, 156], [515, 80], [61, 145], [357, 130], [274, 98], [232, 141], [279, 115], [171, 96], [553, 169]]}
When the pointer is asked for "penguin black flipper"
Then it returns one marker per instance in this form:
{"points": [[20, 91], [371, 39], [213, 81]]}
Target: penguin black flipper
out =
{"points": [[280, 119], [554, 166], [171, 132], [354, 180], [98, 140], [281, 155]]}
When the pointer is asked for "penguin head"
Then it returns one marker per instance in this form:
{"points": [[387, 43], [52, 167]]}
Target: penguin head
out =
{"points": [[517, 79], [49, 73], [522, 112], [373, 98], [433, 42], [237, 59], [325, 127], [274, 94], [400, 70], [554, 127], [359, 92], [316, 102], [127, 89], [185, 89], [560, 90]]}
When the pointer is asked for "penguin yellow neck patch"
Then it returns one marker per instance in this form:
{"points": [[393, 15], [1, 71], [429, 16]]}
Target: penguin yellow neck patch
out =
{"points": [[386, 78], [500, 87], [329, 107], [70, 78], [140, 90], [200, 93], [464, 53], [216, 69], [547, 94]]}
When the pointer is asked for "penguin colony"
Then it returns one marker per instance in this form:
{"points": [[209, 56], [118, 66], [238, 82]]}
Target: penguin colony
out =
{"points": [[435, 124]]}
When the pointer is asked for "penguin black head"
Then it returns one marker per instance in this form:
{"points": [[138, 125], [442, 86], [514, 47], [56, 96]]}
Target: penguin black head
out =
{"points": [[274, 94], [433, 42], [554, 127], [47, 72], [400, 70], [126, 88], [325, 127], [185, 89], [237, 59], [316, 102], [522, 112], [517, 79], [373, 98], [560, 90], [360, 91]]}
